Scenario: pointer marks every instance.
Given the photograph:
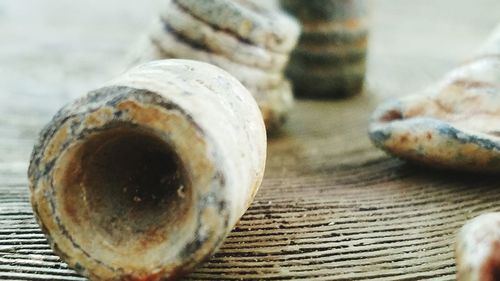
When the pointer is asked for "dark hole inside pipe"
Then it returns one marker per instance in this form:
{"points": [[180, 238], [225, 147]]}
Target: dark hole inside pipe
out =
{"points": [[134, 184]]}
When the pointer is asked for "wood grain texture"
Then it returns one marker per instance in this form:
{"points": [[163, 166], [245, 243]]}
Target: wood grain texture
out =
{"points": [[332, 207]]}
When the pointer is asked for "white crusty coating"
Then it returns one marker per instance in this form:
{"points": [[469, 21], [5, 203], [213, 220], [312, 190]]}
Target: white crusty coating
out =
{"points": [[478, 249]]}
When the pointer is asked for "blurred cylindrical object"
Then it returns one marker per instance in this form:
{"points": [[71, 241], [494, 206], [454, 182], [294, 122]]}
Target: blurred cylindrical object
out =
{"points": [[251, 39], [330, 58], [143, 178]]}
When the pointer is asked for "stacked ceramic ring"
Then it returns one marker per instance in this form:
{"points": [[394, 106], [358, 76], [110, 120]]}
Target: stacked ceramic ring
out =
{"points": [[330, 59], [250, 40]]}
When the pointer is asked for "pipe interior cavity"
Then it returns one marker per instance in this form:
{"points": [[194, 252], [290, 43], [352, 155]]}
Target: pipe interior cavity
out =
{"points": [[127, 185]]}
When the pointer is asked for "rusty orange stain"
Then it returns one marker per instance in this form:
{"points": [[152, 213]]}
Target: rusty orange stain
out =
{"points": [[55, 144], [97, 118], [490, 270]]}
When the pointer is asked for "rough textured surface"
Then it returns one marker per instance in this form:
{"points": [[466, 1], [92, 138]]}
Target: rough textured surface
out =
{"points": [[237, 36], [454, 124], [143, 178], [478, 249], [332, 207], [220, 41], [330, 59], [261, 25], [174, 46]]}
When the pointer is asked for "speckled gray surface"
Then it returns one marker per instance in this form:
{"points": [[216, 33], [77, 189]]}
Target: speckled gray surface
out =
{"points": [[454, 124], [249, 20], [249, 39], [219, 41], [143, 178]]}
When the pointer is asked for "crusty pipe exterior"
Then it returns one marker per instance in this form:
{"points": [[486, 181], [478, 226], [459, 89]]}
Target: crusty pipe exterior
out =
{"points": [[478, 249], [454, 124], [143, 178]]}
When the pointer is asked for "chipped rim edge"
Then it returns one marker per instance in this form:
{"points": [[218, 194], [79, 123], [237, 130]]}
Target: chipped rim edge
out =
{"points": [[51, 223]]}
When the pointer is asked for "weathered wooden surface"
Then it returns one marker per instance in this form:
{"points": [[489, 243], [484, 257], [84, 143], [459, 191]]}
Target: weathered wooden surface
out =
{"points": [[332, 207]]}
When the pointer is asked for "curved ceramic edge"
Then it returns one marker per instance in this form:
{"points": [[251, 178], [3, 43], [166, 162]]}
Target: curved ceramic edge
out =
{"points": [[477, 249], [220, 41], [270, 28], [173, 45], [175, 101], [275, 104], [432, 141]]}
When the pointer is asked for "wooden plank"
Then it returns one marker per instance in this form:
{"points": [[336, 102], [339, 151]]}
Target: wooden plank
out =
{"points": [[332, 207]]}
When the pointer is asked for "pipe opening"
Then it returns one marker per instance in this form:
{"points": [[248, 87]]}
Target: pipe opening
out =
{"points": [[128, 186]]}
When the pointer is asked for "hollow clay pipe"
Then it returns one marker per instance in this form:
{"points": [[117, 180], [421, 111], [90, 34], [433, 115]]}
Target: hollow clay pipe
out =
{"points": [[454, 124], [478, 249], [143, 178], [330, 58], [251, 39]]}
